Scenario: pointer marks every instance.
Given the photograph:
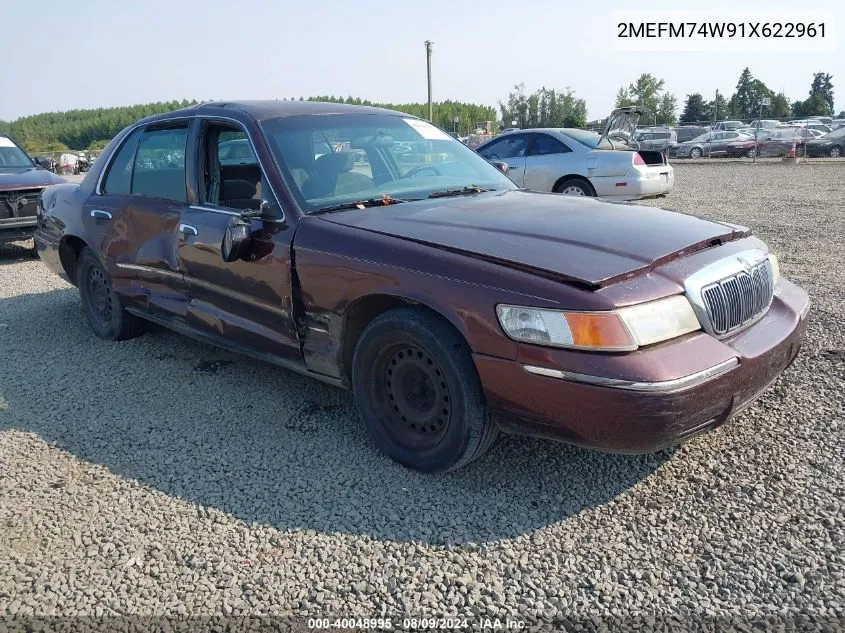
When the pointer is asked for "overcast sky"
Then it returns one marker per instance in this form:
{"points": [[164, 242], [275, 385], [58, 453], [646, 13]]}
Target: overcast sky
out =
{"points": [[90, 53]]}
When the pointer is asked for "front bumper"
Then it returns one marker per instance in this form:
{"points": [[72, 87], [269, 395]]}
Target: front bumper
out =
{"points": [[618, 418], [17, 228]]}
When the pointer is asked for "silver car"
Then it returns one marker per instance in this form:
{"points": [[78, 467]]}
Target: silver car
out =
{"points": [[583, 163], [709, 144]]}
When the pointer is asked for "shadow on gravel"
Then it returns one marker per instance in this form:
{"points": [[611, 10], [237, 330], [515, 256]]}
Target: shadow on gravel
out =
{"points": [[15, 252], [269, 446]]}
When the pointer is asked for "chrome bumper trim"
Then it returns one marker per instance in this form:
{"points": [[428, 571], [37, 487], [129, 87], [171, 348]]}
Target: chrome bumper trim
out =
{"points": [[12, 223], [633, 385]]}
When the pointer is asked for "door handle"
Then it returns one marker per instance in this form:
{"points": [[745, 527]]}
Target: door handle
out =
{"points": [[100, 214], [187, 229]]}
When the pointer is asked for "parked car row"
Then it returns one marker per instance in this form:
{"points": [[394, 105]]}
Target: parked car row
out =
{"points": [[583, 163], [452, 303]]}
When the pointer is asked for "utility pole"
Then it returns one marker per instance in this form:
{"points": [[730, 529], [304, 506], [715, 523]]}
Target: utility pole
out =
{"points": [[765, 101], [715, 118], [428, 44]]}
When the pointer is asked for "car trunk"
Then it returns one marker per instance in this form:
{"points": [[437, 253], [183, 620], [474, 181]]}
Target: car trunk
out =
{"points": [[652, 157]]}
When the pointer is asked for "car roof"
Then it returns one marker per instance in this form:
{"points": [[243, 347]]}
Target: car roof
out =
{"points": [[271, 109]]}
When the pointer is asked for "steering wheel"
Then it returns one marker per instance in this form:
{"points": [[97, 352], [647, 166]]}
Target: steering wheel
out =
{"points": [[416, 170]]}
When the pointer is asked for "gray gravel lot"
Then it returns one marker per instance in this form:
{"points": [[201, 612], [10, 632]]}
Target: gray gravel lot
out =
{"points": [[161, 476]]}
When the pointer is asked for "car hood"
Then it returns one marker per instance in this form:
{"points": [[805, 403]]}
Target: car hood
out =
{"points": [[823, 141], [12, 179], [584, 241]]}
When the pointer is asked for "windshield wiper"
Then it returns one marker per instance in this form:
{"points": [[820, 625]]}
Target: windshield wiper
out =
{"points": [[464, 191], [384, 201]]}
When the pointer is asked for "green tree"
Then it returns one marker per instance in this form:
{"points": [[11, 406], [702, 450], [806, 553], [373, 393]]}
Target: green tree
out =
{"points": [[545, 107], [719, 108], [623, 98], [780, 108], [745, 102], [646, 91], [823, 86], [696, 109], [668, 109]]}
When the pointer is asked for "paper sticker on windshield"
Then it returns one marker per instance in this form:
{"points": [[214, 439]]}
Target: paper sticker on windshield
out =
{"points": [[6, 142], [427, 130]]}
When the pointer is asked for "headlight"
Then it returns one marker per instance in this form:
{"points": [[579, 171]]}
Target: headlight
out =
{"points": [[775, 268], [620, 330]]}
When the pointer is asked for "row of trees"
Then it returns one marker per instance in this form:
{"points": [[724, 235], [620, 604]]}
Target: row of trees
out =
{"points": [[92, 129], [443, 112], [745, 101], [649, 91], [80, 129], [546, 107]]}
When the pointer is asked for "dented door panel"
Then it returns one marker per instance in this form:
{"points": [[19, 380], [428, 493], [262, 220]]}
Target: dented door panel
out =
{"points": [[247, 302]]}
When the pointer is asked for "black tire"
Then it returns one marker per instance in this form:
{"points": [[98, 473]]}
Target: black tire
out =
{"points": [[569, 187], [695, 152], [424, 424], [100, 304]]}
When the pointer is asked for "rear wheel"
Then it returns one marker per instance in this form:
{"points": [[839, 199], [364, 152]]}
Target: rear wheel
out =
{"points": [[695, 152], [575, 187], [100, 304], [418, 392], [751, 153]]}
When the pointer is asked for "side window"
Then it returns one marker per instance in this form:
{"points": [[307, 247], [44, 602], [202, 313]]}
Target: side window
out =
{"points": [[160, 164], [119, 175], [511, 146], [545, 144], [233, 148], [234, 180]]}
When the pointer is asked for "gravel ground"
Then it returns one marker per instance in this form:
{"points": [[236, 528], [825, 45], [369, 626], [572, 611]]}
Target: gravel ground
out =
{"points": [[164, 477]]}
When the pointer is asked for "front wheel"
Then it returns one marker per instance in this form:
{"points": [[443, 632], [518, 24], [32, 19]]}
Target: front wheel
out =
{"points": [[835, 152], [100, 303], [695, 152], [418, 392], [751, 153]]}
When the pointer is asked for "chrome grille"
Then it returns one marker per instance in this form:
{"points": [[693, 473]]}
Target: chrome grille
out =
{"points": [[739, 299]]}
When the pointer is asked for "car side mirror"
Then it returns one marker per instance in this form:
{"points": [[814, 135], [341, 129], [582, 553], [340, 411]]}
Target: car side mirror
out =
{"points": [[501, 166], [236, 239]]}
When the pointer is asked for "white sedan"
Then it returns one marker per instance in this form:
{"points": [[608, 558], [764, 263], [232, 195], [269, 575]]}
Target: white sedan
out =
{"points": [[583, 163]]}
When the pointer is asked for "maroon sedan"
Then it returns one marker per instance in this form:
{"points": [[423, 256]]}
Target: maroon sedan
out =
{"points": [[409, 269]]}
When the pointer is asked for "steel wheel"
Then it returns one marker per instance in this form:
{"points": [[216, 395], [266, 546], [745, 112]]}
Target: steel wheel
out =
{"points": [[695, 153], [99, 296], [835, 152], [413, 396]]}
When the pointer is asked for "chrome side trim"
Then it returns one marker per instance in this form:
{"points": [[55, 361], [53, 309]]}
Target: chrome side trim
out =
{"points": [[199, 207], [149, 269], [633, 385]]}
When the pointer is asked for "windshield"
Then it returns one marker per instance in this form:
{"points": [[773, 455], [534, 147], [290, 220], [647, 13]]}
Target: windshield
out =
{"points": [[334, 159], [13, 156]]}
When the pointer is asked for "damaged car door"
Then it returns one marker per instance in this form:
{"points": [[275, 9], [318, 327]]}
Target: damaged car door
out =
{"points": [[241, 299], [134, 213]]}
